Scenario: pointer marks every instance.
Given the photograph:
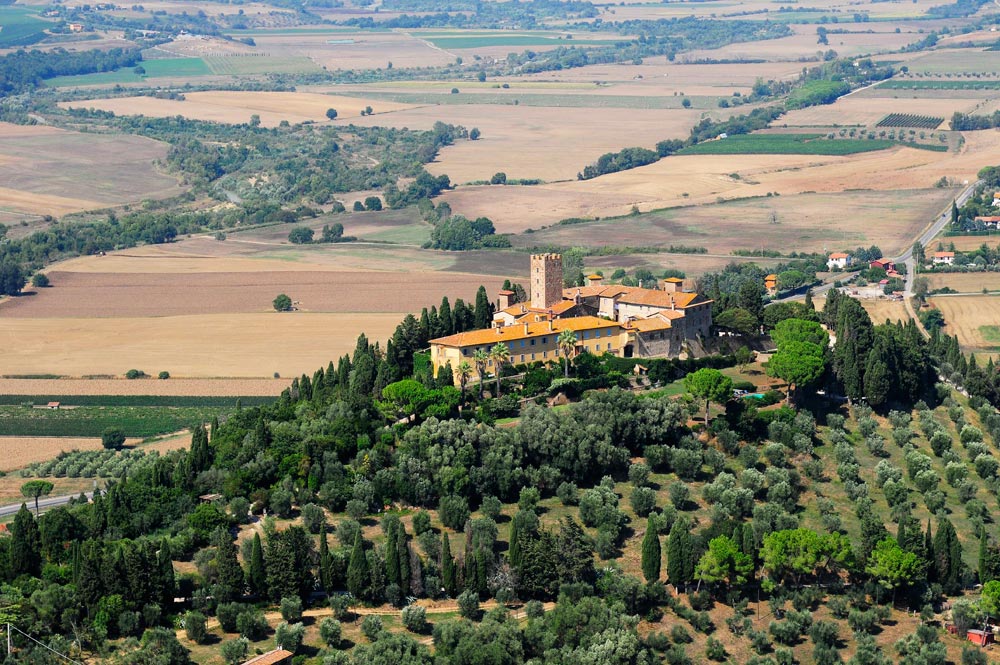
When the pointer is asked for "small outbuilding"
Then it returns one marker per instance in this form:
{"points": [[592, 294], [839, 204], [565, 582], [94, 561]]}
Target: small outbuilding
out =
{"points": [[980, 637], [277, 657]]}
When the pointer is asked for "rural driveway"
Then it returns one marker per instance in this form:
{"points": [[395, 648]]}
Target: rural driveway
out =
{"points": [[43, 504]]}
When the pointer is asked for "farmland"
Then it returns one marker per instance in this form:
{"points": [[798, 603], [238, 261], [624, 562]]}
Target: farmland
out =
{"points": [[908, 120], [238, 107], [20, 26], [86, 421], [965, 316], [788, 144], [44, 170]]}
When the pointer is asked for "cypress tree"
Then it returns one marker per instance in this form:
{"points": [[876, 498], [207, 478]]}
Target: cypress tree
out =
{"points": [[809, 300], [651, 552], [26, 544], [392, 554], [445, 317], [947, 560], [325, 564], [929, 551], [483, 313], [482, 572], [231, 577], [167, 581], [877, 380], [256, 575], [403, 556], [447, 566], [680, 559], [357, 569], [514, 548], [469, 580]]}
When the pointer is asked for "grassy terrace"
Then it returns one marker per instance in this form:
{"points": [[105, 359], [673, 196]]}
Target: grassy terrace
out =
{"points": [[794, 144]]}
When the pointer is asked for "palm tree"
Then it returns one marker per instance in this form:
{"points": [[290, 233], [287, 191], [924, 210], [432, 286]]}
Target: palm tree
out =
{"points": [[464, 372], [480, 358], [567, 345], [499, 354]]}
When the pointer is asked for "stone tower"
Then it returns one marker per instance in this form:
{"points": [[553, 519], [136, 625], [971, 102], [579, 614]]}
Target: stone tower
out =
{"points": [[546, 280]]}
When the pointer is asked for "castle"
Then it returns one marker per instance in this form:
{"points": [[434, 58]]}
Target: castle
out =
{"points": [[625, 321]]}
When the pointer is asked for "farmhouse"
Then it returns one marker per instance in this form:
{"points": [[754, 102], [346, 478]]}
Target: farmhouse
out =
{"points": [[943, 258], [885, 264], [621, 320], [839, 260], [771, 284], [990, 222]]}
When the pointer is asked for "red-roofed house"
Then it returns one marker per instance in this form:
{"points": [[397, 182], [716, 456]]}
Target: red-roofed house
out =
{"points": [[945, 258], [838, 260], [885, 264]]}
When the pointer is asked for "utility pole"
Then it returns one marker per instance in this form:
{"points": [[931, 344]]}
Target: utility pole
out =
{"points": [[8, 640]]}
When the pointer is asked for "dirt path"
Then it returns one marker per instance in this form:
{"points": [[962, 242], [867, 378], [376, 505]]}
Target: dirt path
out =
{"points": [[445, 607]]}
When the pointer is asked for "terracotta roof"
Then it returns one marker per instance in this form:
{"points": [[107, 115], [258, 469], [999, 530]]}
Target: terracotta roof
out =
{"points": [[839, 255], [943, 255], [987, 219], [505, 292], [584, 291], [491, 336], [271, 657], [647, 325], [595, 276], [770, 277], [652, 297]]}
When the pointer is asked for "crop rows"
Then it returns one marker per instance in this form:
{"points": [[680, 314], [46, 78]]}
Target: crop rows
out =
{"points": [[940, 85], [92, 464], [88, 421], [786, 144], [910, 120]]}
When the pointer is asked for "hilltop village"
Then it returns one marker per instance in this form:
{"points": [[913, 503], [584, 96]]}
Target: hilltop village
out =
{"points": [[626, 321]]}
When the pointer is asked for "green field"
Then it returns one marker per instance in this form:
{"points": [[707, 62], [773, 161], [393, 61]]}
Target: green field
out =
{"points": [[158, 68], [939, 85], [990, 333], [136, 421], [266, 64], [793, 144], [20, 27]]}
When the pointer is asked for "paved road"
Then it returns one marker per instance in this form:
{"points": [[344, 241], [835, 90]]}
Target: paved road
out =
{"points": [[43, 504]]}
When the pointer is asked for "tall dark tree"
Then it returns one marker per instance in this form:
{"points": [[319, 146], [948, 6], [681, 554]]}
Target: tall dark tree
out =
{"points": [[231, 578], [256, 573], [651, 553], [445, 318], [448, 571], [947, 557], [680, 554], [358, 576], [483, 314], [26, 544]]}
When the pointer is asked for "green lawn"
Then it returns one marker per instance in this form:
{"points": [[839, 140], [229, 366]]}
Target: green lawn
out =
{"points": [[20, 26], [990, 333], [163, 67], [793, 144], [939, 85], [238, 65]]}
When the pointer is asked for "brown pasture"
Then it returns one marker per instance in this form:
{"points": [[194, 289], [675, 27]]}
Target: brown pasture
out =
{"points": [[879, 309], [661, 77], [798, 221], [125, 295], [965, 243], [170, 387], [10, 485], [702, 179], [206, 345], [803, 44], [237, 107], [20, 451], [538, 142], [45, 170], [363, 50], [965, 282], [963, 315]]}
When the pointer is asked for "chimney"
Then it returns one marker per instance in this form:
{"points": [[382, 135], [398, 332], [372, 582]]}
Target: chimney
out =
{"points": [[672, 304], [525, 327], [551, 328], [505, 299], [672, 284]]}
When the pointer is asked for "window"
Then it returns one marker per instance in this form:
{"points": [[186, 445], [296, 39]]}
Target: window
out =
{"points": [[545, 341], [510, 346], [609, 346], [465, 352], [584, 336], [532, 356], [545, 354], [522, 357], [532, 342], [522, 343]]}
